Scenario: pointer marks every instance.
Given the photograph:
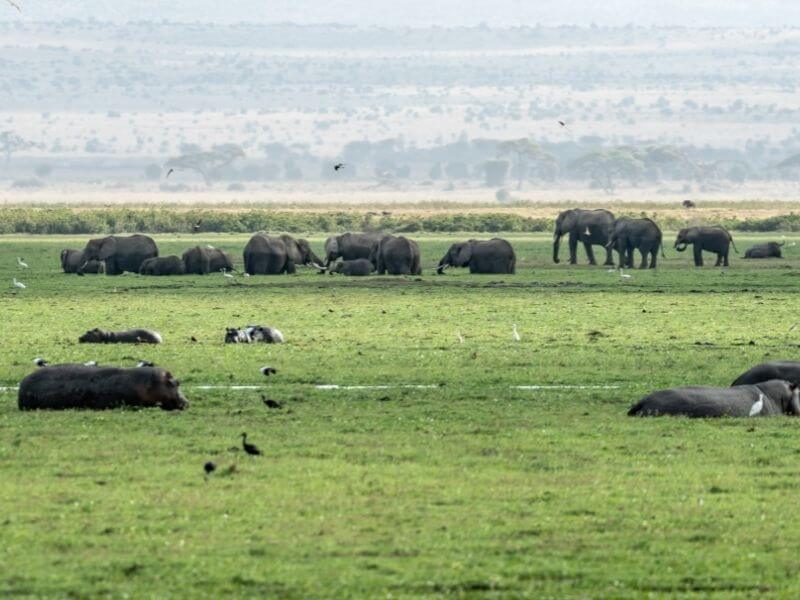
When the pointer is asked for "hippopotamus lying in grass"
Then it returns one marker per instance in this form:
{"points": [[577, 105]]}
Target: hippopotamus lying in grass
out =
{"points": [[79, 386], [787, 370], [253, 334], [776, 397], [131, 336], [764, 250]]}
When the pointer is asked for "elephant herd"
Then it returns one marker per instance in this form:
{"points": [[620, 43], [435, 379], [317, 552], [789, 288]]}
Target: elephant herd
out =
{"points": [[626, 235]]}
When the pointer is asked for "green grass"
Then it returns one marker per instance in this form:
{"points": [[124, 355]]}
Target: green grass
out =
{"points": [[472, 488]]}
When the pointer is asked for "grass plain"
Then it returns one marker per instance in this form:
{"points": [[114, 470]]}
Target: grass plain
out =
{"points": [[473, 486]]}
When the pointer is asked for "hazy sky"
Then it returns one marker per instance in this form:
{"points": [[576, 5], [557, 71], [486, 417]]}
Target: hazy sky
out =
{"points": [[425, 12]]}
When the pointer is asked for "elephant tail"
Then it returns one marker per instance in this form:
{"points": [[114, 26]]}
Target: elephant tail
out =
{"points": [[735, 249], [661, 243]]}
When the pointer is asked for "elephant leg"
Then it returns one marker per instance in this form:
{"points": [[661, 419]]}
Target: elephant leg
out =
{"points": [[573, 249], [629, 257], [290, 267], [653, 258], [725, 258], [643, 264], [609, 257], [589, 252], [698, 255], [719, 259]]}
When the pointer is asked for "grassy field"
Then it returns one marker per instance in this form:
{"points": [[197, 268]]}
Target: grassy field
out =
{"points": [[473, 486]]}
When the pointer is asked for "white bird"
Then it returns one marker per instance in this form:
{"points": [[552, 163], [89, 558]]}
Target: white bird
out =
{"points": [[460, 337], [611, 271], [39, 362], [90, 363], [22, 263], [515, 334], [226, 274], [624, 275], [19, 284], [588, 231], [247, 274], [758, 406], [144, 363]]}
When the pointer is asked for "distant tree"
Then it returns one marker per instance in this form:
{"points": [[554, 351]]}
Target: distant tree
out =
{"points": [[205, 163], [526, 153], [43, 170], [496, 172], [10, 143], [436, 171], [604, 166]]}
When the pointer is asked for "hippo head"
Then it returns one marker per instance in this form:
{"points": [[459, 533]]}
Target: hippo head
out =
{"points": [[93, 336], [232, 335], [167, 392]]}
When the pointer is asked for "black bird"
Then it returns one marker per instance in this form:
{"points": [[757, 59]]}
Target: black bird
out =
{"points": [[145, 363], [270, 403], [194, 339], [266, 371], [14, 5], [209, 467], [251, 449], [39, 362], [169, 173], [339, 166], [196, 226], [562, 123]]}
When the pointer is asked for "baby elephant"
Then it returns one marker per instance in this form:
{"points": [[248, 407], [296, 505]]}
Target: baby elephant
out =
{"points": [[78, 386], [765, 250], [787, 370], [359, 267], [774, 397], [131, 336], [162, 265], [253, 334]]}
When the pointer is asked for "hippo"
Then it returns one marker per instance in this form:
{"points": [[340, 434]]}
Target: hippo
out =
{"points": [[253, 334], [777, 397], [60, 387], [131, 336], [765, 250], [787, 370], [162, 265], [359, 267]]}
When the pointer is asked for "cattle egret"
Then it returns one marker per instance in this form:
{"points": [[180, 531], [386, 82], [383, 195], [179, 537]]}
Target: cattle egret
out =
{"points": [[251, 449], [611, 271], [19, 284], [145, 363], [460, 337], [39, 362], [515, 334], [758, 406], [247, 274], [624, 275], [266, 370], [22, 263], [226, 274]]}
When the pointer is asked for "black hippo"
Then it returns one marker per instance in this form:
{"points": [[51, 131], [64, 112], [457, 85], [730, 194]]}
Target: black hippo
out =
{"points": [[79, 386], [787, 370], [131, 336], [765, 250]]}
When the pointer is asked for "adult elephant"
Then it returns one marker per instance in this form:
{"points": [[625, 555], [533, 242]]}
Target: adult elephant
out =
{"points": [[777, 397], [72, 261], [202, 260], [349, 246], [590, 227], [787, 370], [396, 255], [715, 239], [121, 253], [162, 265], [267, 255], [491, 256], [643, 235], [765, 250]]}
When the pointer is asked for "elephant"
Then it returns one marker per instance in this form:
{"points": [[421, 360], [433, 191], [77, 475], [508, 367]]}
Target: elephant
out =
{"points": [[396, 255], [591, 227], [779, 369], [121, 253], [131, 336], [640, 234], [202, 260], [492, 256], [266, 255], [715, 239], [162, 265], [778, 397], [360, 267], [61, 387], [349, 246], [72, 262], [765, 250]]}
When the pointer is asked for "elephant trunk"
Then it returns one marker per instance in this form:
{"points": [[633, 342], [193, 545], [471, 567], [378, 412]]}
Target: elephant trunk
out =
{"points": [[443, 264], [556, 245], [680, 246], [795, 401]]}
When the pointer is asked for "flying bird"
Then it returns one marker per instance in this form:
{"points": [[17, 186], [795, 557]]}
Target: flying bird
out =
{"points": [[266, 370], [14, 5], [169, 173], [515, 334], [339, 166], [251, 449], [758, 406], [145, 363], [196, 226], [19, 284], [39, 362], [22, 263], [270, 403]]}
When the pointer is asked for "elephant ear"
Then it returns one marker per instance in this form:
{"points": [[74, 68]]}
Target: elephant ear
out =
{"points": [[64, 255], [107, 248], [464, 254], [332, 245]]}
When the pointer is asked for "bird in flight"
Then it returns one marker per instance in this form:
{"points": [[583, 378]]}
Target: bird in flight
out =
{"points": [[196, 226], [339, 166], [564, 125], [14, 5], [169, 173]]}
